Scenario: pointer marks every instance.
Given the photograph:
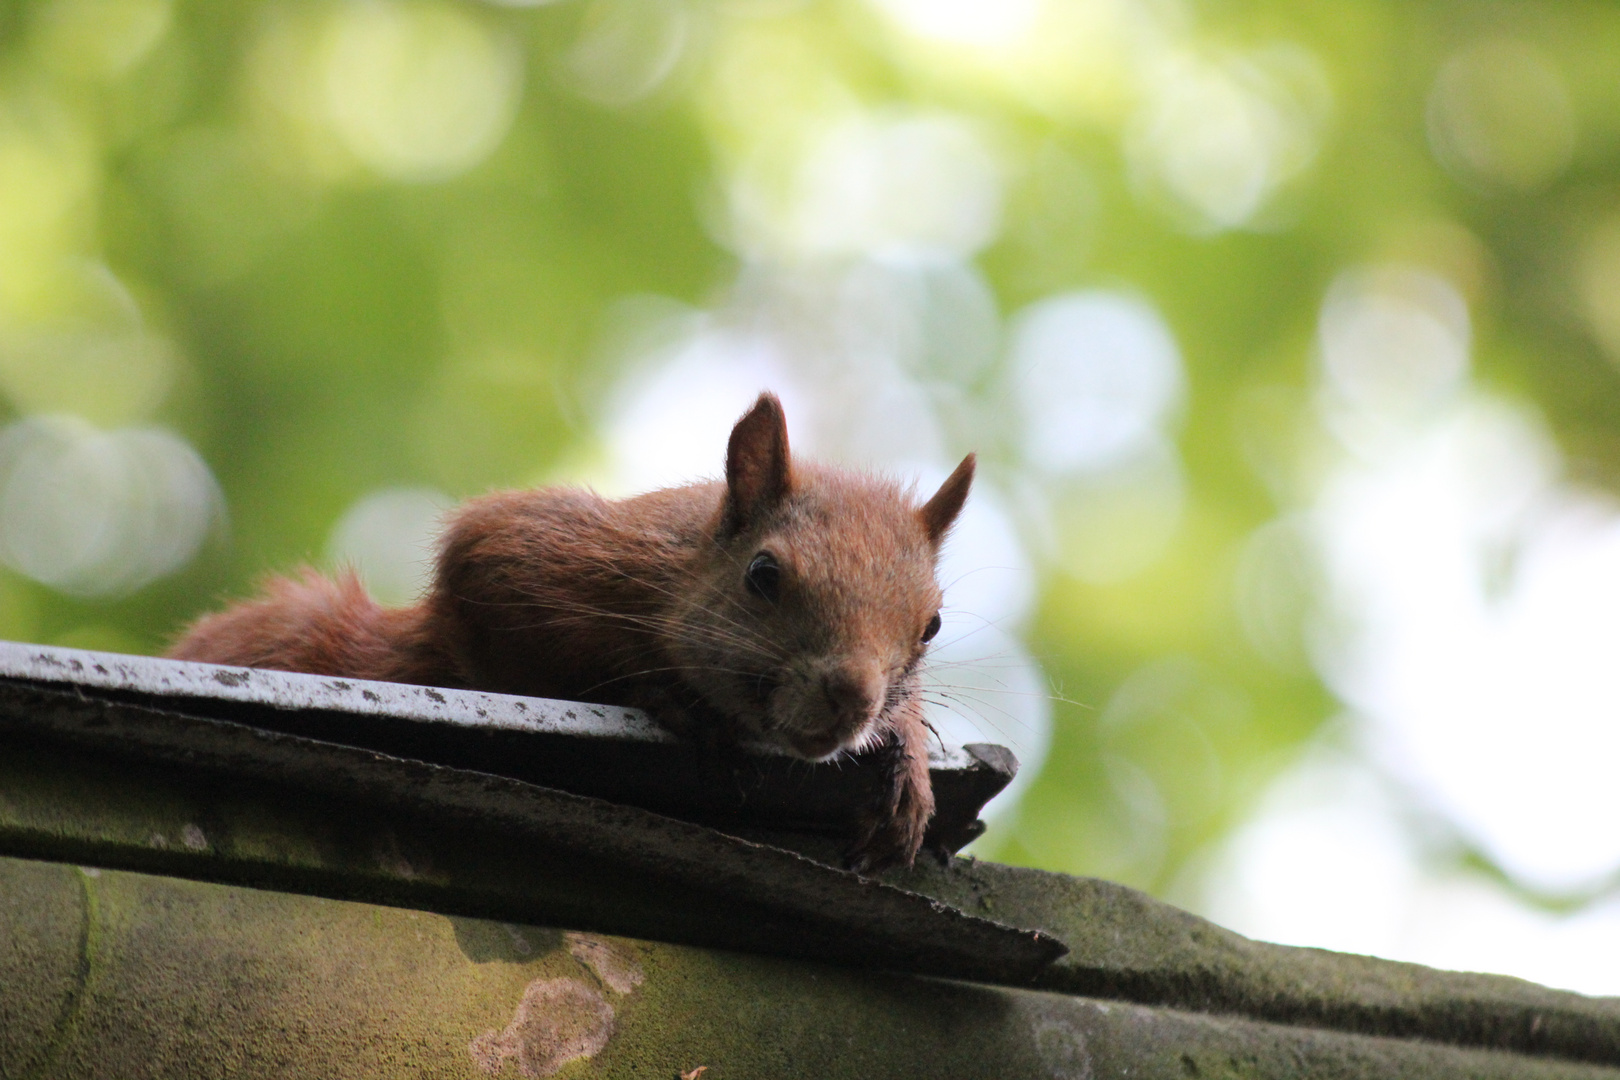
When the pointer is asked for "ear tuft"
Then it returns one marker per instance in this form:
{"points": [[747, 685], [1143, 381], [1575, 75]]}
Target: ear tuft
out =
{"points": [[759, 472], [939, 513]]}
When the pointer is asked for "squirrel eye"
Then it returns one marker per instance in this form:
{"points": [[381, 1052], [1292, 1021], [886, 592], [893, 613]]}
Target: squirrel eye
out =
{"points": [[931, 629], [764, 577]]}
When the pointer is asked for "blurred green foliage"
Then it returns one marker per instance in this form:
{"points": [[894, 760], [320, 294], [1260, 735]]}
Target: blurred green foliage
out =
{"points": [[342, 315]]}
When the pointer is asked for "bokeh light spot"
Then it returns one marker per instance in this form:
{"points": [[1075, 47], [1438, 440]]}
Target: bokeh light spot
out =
{"points": [[965, 22], [83, 346], [1278, 580], [1500, 115], [1097, 374], [900, 185], [626, 49], [1472, 593], [388, 537], [669, 424], [988, 577], [1394, 341], [95, 513], [981, 685], [1330, 861], [1219, 137], [417, 90], [933, 320]]}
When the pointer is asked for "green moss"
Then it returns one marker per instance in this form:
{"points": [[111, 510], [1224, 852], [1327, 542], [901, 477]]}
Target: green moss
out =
{"points": [[198, 980], [420, 982], [44, 961]]}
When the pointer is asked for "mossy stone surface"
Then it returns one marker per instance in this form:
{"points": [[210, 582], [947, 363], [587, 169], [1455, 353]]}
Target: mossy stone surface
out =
{"points": [[142, 968], [45, 922], [1126, 944], [127, 975]]}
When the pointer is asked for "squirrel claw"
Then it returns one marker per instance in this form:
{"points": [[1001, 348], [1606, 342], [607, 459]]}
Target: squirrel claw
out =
{"points": [[870, 862], [884, 844]]}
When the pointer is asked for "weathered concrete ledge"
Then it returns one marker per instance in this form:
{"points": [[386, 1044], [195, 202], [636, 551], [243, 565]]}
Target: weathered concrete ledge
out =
{"points": [[616, 867], [419, 838], [134, 976], [600, 751], [1124, 944]]}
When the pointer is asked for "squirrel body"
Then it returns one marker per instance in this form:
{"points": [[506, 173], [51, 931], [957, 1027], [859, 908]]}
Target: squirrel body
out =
{"points": [[790, 604]]}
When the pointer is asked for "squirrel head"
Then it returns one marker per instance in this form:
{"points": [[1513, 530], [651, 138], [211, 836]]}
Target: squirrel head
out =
{"points": [[816, 595]]}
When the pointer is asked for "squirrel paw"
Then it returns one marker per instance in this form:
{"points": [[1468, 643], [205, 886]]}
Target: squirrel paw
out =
{"points": [[892, 830], [893, 837]]}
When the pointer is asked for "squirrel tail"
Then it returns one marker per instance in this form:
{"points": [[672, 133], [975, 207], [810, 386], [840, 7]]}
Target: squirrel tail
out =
{"points": [[320, 625]]}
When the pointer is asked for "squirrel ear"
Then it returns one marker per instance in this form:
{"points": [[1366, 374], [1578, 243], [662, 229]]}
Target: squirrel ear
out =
{"points": [[939, 513], [758, 470]]}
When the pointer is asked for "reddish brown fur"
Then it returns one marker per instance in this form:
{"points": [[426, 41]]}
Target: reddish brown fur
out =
{"points": [[646, 602], [323, 626]]}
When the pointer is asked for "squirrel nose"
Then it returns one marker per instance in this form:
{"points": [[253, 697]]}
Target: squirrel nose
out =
{"points": [[853, 694]]}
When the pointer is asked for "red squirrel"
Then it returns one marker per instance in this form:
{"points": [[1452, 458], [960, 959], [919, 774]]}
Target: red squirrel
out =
{"points": [[789, 605]]}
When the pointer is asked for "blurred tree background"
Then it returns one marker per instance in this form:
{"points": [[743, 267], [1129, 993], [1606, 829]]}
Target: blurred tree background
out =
{"points": [[1202, 281]]}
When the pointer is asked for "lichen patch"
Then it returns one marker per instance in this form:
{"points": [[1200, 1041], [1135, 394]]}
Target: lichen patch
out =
{"points": [[1062, 1048], [557, 1021], [618, 971]]}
